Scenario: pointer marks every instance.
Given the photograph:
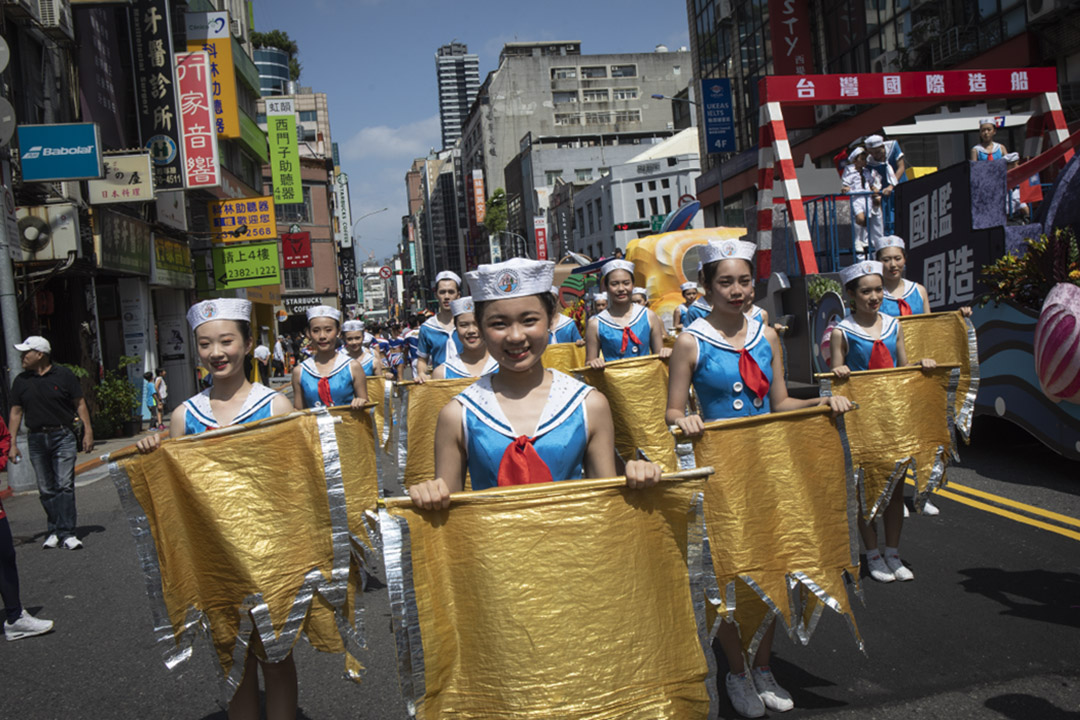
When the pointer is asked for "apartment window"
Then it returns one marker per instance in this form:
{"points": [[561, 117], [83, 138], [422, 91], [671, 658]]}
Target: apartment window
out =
{"points": [[667, 203], [567, 119], [295, 212], [260, 119], [655, 207], [563, 73], [624, 116], [625, 93], [299, 279], [550, 176], [665, 183], [565, 97], [641, 208], [583, 174], [594, 72], [310, 134], [652, 185], [597, 118], [599, 213], [618, 71], [595, 95], [588, 209], [639, 187], [581, 220], [309, 116]]}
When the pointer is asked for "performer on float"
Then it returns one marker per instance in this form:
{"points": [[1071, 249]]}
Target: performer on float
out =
{"points": [[327, 378], [735, 365], [639, 296], [987, 149], [358, 348], [523, 424], [600, 302], [473, 360], [680, 318], [624, 330], [563, 327], [222, 330], [438, 331], [868, 339]]}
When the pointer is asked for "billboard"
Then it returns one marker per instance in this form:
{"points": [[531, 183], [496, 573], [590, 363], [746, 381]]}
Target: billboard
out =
{"points": [[155, 82], [209, 33], [297, 249], [284, 151], [719, 112], [127, 178], [238, 266], [202, 167], [228, 216], [70, 151], [479, 196], [540, 235]]}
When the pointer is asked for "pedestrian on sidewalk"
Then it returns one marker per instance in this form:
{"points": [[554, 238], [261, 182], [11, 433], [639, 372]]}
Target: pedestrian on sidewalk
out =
{"points": [[162, 389], [50, 397], [18, 623], [150, 398]]}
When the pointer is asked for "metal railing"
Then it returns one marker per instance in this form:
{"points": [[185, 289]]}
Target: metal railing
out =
{"points": [[833, 230]]}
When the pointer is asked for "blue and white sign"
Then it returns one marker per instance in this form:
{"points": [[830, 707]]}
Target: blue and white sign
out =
{"points": [[60, 152], [716, 106]]}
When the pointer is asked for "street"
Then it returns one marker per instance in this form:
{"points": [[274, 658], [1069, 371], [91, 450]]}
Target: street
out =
{"points": [[989, 629]]}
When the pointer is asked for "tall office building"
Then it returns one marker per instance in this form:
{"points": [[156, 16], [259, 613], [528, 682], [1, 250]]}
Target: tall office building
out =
{"points": [[459, 80]]}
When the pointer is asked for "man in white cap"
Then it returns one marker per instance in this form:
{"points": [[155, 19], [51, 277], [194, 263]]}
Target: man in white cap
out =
{"points": [[49, 397]]}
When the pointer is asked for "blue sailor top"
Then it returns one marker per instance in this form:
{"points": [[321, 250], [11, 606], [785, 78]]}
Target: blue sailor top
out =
{"points": [[455, 368], [561, 435], [756, 313], [860, 344], [610, 334], [684, 318], [433, 341], [367, 360], [698, 309], [717, 382], [994, 154], [340, 377], [198, 417], [565, 331], [909, 294]]}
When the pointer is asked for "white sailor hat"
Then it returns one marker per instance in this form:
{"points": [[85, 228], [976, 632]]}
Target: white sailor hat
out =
{"points": [[517, 277], [1012, 157], [889, 241], [218, 309], [640, 291], [448, 275], [873, 141], [988, 121], [462, 306], [597, 297], [855, 153], [612, 265], [323, 311], [716, 250], [863, 267], [690, 285], [555, 291], [352, 326]]}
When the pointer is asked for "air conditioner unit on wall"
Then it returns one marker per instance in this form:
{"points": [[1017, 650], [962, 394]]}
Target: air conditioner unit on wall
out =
{"points": [[46, 232], [56, 19], [1043, 10], [22, 9]]}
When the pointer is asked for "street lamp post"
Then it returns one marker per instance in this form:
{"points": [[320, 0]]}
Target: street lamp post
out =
{"points": [[357, 260], [659, 96], [524, 252]]}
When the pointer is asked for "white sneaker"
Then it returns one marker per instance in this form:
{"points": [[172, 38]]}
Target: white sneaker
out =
{"points": [[26, 626], [72, 543], [879, 570], [930, 509], [906, 512], [743, 695], [52, 542], [775, 697], [899, 570]]}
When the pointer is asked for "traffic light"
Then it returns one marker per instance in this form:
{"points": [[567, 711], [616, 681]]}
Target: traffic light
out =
{"points": [[635, 225]]}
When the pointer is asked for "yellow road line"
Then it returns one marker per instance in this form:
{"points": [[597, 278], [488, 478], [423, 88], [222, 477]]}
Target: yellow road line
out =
{"points": [[1050, 515], [1007, 514]]}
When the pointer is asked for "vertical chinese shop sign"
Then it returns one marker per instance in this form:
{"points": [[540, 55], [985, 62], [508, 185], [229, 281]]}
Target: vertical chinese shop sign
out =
{"points": [[155, 79], [210, 33], [202, 167], [284, 153]]}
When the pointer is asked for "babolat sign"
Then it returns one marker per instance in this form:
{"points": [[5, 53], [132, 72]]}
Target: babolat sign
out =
{"points": [[60, 152]]}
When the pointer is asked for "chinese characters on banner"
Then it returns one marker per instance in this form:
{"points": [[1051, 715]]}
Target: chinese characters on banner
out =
{"points": [[792, 53], [229, 216], [297, 249], [209, 32], [202, 167], [151, 35], [540, 234], [284, 153], [479, 196], [128, 178]]}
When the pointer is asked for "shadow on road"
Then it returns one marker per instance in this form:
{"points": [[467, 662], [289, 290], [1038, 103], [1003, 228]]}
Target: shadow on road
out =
{"points": [[1007, 453], [1052, 597], [1023, 707]]}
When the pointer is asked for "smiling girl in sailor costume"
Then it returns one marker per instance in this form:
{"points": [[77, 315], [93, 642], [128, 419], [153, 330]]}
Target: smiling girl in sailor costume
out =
{"points": [[734, 363], [868, 339], [474, 360], [624, 330], [902, 297], [327, 378], [700, 307], [523, 424], [680, 318], [563, 327], [223, 338], [357, 347], [437, 338]]}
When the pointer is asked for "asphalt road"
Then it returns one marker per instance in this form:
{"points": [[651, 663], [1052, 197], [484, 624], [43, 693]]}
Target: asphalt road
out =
{"points": [[989, 629]]}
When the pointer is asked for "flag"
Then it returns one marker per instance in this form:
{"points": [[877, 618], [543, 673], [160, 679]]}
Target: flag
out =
{"points": [[417, 413], [949, 338]]}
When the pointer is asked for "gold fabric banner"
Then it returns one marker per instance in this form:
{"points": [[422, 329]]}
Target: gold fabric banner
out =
{"points": [[904, 424], [636, 389], [780, 514], [245, 532], [376, 392], [418, 414], [949, 338], [578, 599], [564, 357]]}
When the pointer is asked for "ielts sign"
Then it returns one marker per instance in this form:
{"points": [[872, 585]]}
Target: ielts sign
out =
{"points": [[70, 151]]}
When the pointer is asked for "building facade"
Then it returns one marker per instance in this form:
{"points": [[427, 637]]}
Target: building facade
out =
{"points": [[458, 73]]}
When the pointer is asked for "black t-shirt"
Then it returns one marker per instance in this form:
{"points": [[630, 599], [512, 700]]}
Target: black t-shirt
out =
{"points": [[48, 399]]}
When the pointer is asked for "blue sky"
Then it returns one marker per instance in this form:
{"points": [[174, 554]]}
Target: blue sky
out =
{"points": [[375, 59]]}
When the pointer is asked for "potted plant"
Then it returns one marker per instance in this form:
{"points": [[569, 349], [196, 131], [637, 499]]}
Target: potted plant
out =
{"points": [[118, 400]]}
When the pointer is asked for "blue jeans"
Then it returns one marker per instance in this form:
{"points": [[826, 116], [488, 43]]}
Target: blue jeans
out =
{"points": [[53, 456]]}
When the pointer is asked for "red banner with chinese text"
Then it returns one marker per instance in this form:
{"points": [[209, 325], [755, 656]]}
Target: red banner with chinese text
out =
{"points": [[297, 250], [792, 53]]}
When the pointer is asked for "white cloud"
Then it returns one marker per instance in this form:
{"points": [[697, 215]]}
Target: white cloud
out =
{"points": [[403, 142]]}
